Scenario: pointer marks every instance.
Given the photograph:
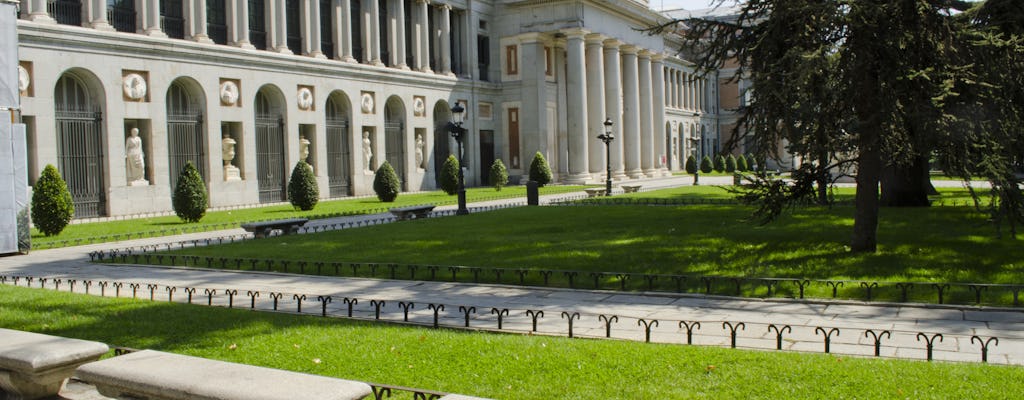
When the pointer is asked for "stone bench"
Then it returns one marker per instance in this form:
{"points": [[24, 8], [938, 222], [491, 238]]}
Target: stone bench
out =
{"points": [[155, 375], [34, 365], [631, 188], [410, 212], [595, 192], [263, 229]]}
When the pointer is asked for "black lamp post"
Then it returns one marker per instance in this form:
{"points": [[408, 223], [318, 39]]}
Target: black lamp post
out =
{"points": [[459, 133], [607, 138], [698, 146]]}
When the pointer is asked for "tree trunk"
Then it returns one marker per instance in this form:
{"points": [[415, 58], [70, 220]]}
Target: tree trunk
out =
{"points": [[908, 186], [865, 217], [824, 179]]}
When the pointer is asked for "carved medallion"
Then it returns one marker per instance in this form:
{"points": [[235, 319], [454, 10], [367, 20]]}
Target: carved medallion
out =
{"points": [[134, 86], [305, 98], [24, 80], [367, 103], [228, 93]]}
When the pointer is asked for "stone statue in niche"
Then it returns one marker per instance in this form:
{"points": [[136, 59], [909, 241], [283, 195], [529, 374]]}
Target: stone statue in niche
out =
{"points": [[231, 172], [135, 159], [367, 152], [419, 151], [303, 149]]}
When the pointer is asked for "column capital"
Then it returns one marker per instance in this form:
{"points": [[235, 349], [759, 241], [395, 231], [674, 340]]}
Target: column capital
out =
{"points": [[657, 58], [532, 37], [643, 54], [594, 39], [445, 6], [575, 33], [427, 2], [612, 43], [629, 49]]}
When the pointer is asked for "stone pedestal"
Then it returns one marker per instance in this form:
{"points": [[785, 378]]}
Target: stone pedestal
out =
{"points": [[232, 173]]}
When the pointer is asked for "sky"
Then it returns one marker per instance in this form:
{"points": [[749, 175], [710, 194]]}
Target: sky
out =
{"points": [[686, 4]]}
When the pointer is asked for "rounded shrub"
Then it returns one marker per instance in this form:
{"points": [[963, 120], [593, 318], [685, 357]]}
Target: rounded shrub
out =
{"points": [[499, 175], [385, 183], [730, 164], [720, 163], [303, 191], [450, 175], [540, 172], [52, 207], [705, 165], [190, 198], [691, 164], [741, 164]]}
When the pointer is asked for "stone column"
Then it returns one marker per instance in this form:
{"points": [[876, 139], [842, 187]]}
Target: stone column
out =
{"points": [[371, 30], [646, 114], [196, 18], [279, 28], [399, 42], [152, 19], [238, 20], [533, 115], [446, 39], [311, 21], [658, 102], [595, 103], [37, 11], [576, 98], [97, 15], [613, 104], [422, 37], [631, 112], [343, 29]]}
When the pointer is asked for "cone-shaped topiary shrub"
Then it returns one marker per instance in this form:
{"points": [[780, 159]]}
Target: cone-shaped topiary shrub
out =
{"points": [[52, 207], [450, 175], [705, 165], [499, 175], [741, 164], [190, 198], [720, 163], [691, 164], [539, 170], [385, 183], [303, 192], [730, 164]]}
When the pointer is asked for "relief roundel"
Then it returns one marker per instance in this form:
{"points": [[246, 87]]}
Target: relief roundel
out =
{"points": [[134, 86], [228, 93], [305, 98], [367, 103], [24, 80]]}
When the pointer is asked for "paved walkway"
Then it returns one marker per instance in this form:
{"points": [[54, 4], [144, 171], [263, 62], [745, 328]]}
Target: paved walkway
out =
{"points": [[634, 316]]}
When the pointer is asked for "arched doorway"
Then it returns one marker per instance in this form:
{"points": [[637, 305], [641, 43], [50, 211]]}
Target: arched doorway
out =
{"points": [[442, 116], [339, 153], [394, 137], [270, 161], [186, 139], [80, 145]]}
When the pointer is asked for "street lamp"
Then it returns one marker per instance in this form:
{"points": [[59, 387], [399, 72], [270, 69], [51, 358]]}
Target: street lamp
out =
{"points": [[607, 138], [459, 133], [698, 146]]}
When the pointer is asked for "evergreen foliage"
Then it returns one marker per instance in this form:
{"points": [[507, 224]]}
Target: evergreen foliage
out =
{"points": [[719, 163], [540, 172], [449, 178], [190, 198], [730, 164], [691, 164], [385, 183], [705, 165], [303, 191], [52, 206], [499, 175], [741, 164]]}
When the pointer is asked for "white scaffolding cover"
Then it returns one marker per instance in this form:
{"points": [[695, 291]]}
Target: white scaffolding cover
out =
{"points": [[8, 56]]}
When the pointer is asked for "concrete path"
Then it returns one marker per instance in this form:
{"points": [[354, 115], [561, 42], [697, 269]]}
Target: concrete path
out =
{"points": [[637, 316]]}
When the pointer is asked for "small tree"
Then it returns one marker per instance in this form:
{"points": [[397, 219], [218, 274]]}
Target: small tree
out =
{"points": [[691, 164], [52, 207], [539, 170], [720, 163], [499, 175], [385, 183], [303, 191], [741, 164], [730, 164], [190, 198], [450, 175], [705, 165]]}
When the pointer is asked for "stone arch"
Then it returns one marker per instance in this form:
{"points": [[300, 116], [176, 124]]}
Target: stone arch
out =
{"points": [[186, 132], [269, 113], [442, 137], [395, 137], [78, 114], [340, 160]]}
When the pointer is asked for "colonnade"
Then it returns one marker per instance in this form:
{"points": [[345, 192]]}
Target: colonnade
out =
{"points": [[685, 91]]}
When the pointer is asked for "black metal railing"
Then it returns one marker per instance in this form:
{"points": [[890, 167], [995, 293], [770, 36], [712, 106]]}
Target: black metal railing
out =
{"points": [[122, 18], [66, 12], [173, 27]]}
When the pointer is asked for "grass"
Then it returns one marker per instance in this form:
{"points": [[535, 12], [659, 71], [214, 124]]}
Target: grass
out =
{"points": [[98, 232], [939, 244], [490, 365]]}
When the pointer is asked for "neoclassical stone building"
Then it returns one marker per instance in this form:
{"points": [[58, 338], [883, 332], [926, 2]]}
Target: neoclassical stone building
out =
{"points": [[245, 89]]}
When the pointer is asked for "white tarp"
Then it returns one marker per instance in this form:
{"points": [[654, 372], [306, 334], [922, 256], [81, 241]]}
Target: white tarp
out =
{"points": [[8, 56], [14, 205]]}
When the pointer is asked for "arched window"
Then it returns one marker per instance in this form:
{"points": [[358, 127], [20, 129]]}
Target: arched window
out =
{"points": [[80, 146]]}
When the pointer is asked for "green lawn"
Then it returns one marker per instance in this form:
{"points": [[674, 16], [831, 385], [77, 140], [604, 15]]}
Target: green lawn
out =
{"points": [[98, 232], [501, 366]]}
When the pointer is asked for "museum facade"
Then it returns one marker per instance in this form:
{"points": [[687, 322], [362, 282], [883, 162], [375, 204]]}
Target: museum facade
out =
{"points": [[121, 94]]}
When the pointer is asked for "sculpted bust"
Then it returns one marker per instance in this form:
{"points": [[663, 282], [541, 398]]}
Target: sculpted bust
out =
{"points": [[134, 86], [305, 98], [228, 93]]}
